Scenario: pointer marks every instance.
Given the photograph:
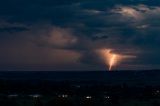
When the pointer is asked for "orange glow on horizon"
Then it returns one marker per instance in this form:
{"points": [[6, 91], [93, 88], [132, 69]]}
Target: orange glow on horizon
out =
{"points": [[112, 59]]}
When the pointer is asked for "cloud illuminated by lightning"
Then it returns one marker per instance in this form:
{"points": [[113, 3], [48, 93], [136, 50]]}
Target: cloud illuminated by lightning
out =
{"points": [[129, 12], [112, 59]]}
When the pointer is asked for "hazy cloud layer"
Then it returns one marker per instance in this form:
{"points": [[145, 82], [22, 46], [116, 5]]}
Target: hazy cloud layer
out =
{"points": [[66, 34]]}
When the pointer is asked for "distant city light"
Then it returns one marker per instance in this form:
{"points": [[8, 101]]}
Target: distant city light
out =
{"points": [[88, 97], [63, 96], [35, 95], [107, 97], [13, 95], [157, 91]]}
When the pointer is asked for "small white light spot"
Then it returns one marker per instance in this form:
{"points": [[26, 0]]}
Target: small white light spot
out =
{"points": [[107, 97], [88, 97], [63, 96]]}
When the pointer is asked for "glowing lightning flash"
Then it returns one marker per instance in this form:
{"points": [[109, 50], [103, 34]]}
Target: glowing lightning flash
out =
{"points": [[112, 61]]}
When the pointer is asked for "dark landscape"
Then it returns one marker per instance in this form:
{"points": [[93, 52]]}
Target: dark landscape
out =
{"points": [[82, 88]]}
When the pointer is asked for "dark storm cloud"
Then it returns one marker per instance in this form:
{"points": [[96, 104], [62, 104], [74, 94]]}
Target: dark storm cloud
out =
{"points": [[77, 28], [12, 29]]}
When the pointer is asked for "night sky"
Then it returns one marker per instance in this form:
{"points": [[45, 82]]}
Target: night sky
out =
{"points": [[73, 34]]}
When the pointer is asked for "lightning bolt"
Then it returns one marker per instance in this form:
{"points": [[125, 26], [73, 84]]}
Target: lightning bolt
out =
{"points": [[112, 61]]}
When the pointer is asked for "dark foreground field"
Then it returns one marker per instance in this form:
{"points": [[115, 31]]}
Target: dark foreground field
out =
{"points": [[98, 88]]}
